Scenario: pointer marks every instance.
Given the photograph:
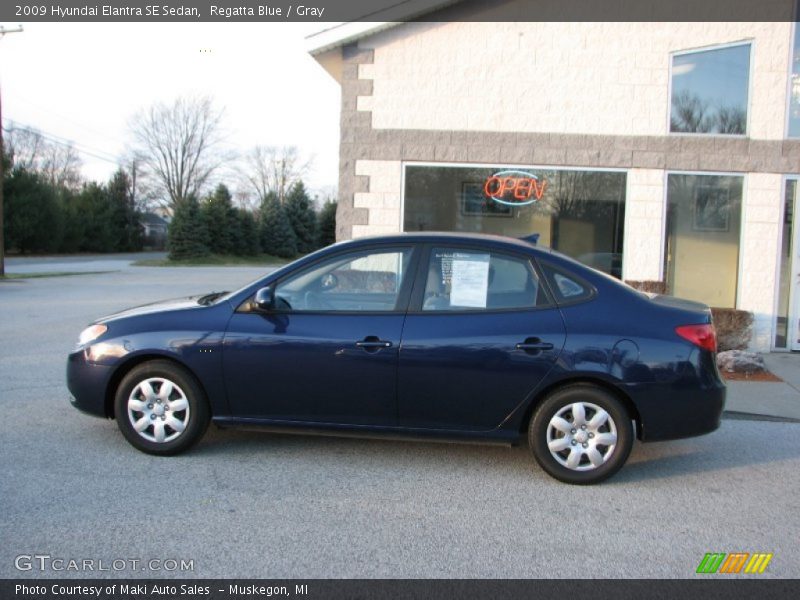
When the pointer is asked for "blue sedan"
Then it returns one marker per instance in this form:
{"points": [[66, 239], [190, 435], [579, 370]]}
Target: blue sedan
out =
{"points": [[436, 335]]}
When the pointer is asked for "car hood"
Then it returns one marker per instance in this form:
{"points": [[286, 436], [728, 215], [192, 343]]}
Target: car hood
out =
{"points": [[154, 307]]}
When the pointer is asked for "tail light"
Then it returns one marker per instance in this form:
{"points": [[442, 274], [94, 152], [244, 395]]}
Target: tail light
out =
{"points": [[704, 336]]}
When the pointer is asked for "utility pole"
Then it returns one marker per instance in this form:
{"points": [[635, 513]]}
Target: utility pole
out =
{"points": [[3, 32]]}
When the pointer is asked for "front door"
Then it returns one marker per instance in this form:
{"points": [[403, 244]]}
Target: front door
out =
{"points": [[328, 352], [483, 336]]}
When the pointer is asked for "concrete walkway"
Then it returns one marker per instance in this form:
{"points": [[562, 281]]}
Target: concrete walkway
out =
{"points": [[779, 400]]}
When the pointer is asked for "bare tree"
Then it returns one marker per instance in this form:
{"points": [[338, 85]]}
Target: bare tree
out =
{"points": [[180, 146], [57, 162], [691, 114], [244, 197], [274, 169]]}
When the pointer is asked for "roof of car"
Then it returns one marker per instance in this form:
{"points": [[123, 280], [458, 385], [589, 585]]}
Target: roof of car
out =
{"points": [[448, 237]]}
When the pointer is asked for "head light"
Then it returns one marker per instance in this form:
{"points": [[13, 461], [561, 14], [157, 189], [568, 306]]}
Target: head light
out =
{"points": [[91, 333]]}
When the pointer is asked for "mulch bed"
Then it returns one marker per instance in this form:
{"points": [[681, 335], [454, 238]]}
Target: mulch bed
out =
{"points": [[763, 376]]}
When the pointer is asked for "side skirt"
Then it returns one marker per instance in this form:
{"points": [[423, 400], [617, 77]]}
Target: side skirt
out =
{"points": [[496, 437]]}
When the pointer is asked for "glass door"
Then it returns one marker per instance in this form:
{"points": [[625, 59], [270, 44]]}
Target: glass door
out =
{"points": [[791, 305]]}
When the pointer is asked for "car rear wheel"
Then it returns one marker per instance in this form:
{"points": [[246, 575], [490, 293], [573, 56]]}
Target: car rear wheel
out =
{"points": [[160, 408], [581, 434]]}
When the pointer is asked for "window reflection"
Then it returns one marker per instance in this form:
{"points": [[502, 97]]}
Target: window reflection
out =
{"points": [[785, 275], [709, 91], [794, 86], [702, 245], [579, 213]]}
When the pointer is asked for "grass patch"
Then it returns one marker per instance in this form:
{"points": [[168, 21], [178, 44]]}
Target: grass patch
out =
{"points": [[214, 260], [50, 274]]}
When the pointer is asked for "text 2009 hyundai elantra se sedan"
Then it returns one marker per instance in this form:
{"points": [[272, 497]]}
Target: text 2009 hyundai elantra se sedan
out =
{"points": [[421, 335]]}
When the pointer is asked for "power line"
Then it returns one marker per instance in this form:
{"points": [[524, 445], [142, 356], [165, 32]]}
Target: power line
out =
{"points": [[61, 140], [82, 148], [83, 126]]}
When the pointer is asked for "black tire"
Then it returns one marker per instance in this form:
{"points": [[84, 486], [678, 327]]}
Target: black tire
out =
{"points": [[581, 440], [152, 375]]}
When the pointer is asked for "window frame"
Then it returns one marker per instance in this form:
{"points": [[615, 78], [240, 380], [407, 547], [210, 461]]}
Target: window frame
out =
{"points": [[420, 282], [745, 42], [403, 296]]}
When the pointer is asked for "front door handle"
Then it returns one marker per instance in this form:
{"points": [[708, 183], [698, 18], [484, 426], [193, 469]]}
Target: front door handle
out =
{"points": [[534, 345], [372, 343]]}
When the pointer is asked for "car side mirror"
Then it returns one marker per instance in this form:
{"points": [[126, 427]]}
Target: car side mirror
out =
{"points": [[265, 298]]}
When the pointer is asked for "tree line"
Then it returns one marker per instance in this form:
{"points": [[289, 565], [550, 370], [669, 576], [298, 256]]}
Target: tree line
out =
{"points": [[42, 217], [215, 226], [177, 163]]}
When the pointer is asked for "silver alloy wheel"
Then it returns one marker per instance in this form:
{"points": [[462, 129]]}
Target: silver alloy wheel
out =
{"points": [[158, 409], [581, 436]]}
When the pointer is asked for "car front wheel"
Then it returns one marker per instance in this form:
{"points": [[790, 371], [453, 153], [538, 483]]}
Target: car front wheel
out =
{"points": [[581, 434], [160, 408]]}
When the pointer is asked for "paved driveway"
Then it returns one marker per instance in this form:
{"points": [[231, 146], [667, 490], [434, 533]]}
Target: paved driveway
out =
{"points": [[264, 505]]}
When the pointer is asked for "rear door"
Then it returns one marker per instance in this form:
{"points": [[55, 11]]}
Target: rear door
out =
{"points": [[481, 334]]}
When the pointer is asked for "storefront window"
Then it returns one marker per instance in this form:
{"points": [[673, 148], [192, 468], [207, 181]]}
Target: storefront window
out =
{"points": [[579, 213], [704, 215], [709, 91], [785, 275]]}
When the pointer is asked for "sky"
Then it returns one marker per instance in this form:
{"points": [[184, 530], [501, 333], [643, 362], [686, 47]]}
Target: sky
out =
{"points": [[84, 82]]}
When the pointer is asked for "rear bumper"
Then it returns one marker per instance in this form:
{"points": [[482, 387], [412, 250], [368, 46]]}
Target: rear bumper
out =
{"points": [[87, 382], [668, 413], [688, 406]]}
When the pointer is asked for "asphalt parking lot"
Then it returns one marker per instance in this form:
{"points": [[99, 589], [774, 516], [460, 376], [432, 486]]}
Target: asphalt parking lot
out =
{"points": [[265, 505]]}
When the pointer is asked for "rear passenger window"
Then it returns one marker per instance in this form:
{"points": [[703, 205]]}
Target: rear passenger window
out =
{"points": [[475, 280], [567, 287]]}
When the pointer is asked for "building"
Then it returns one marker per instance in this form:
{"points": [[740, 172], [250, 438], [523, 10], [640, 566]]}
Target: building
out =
{"points": [[658, 152], [155, 228]]}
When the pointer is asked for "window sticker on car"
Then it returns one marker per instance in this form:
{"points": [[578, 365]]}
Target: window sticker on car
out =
{"points": [[469, 280]]}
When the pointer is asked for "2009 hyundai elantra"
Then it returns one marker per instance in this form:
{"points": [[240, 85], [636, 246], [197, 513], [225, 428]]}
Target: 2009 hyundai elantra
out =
{"points": [[421, 335]]}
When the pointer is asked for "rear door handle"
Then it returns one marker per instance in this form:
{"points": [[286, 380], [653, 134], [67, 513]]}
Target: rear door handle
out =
{"points": [[372, 343], [533, 345]]}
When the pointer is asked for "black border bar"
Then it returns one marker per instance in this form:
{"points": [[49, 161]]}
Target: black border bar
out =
{"points": [[329, 11], [399, 589]]}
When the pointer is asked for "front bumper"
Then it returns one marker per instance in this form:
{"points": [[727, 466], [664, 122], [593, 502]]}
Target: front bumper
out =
{"points": [[88, 382]]}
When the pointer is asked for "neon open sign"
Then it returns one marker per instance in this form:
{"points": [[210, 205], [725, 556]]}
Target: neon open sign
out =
{"points": [[514, 188]]}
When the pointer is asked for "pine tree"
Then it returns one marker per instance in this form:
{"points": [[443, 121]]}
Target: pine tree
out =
{"points": [[33, 220], [93, 208], [123, 218], [248, 244], [187, 232], [327, 224], [302, 217], [220, 220], [277, 236]]}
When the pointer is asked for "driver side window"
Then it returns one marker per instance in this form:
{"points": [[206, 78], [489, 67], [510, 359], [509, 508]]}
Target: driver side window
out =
{"points": [[367, 281]]}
